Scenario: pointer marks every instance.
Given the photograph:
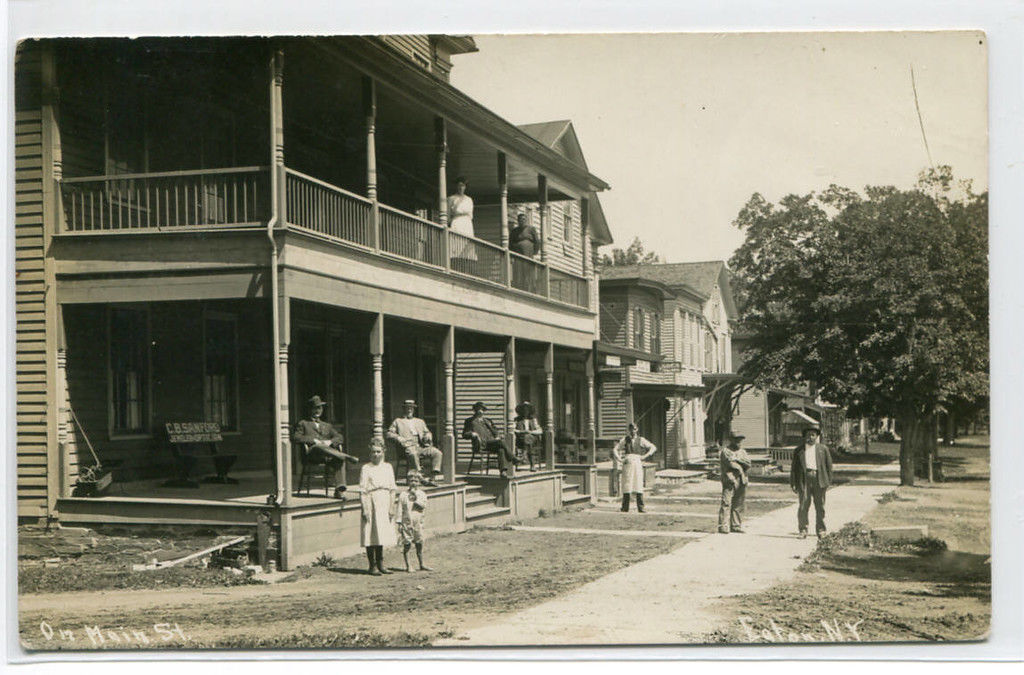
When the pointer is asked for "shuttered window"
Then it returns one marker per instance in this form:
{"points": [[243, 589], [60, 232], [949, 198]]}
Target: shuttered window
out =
{"points": [[656, 333], [638, 328]]}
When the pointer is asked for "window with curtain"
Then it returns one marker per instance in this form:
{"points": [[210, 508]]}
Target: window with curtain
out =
{"points": [[129, 371], [220, 372]]}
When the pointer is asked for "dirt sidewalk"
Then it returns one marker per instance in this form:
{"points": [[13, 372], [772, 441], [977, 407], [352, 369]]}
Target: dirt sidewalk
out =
{"points": [[660, 600]]}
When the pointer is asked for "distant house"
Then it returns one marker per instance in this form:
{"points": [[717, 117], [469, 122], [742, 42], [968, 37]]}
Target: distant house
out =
{"points": [[666, 339]]}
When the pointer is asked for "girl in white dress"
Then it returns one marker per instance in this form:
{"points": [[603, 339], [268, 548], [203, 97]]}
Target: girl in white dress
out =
{"points": [[377, 490]]}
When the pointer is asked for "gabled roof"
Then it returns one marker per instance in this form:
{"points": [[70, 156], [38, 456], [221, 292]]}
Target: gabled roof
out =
{"points": [[560, 136], [699, 277]]}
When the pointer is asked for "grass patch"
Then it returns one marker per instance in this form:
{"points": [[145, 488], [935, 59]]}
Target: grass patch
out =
{"points": [[72, 576]]}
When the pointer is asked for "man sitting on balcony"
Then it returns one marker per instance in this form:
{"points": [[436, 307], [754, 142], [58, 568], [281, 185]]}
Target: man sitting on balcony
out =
{"points": [[412, 434], [485, 437], [320, 439]]}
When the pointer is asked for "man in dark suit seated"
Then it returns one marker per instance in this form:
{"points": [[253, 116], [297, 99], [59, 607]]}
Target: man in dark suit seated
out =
{"points": [[318, 438], [485, 437]]}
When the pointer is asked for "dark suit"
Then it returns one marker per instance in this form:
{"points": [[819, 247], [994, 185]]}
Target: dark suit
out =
{"points": [[810, 485], [490, 440], [308, 432]]}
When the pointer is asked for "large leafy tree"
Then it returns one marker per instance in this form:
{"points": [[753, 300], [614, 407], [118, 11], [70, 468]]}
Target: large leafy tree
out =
{"points": [[634, 254], [880, 299]]}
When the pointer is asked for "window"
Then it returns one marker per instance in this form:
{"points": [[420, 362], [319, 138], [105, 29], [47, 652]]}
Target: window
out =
{"points": [[567, 225], [220, 371], [638, 328], [656, 333], [129, 372], [708, 350]]}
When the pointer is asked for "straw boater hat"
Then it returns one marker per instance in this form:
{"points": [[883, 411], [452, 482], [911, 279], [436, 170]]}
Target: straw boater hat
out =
{"points": [[408, 403]]}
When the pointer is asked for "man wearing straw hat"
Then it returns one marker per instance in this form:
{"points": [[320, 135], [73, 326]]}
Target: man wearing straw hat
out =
{"points": [[733, 464], [412, 434]]}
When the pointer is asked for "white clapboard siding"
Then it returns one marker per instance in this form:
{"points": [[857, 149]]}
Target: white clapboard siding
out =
{"points": [[30, 290], [749, 419], [479, 376], [612, 407]]}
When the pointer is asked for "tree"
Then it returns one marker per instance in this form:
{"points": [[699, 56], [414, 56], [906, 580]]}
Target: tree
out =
{"points": [[880, 299], [634, 254]]}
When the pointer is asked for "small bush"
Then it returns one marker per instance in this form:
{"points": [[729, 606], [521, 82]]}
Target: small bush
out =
{"points": [[324, 560]]}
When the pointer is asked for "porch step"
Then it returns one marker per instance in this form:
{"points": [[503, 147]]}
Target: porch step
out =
{"points": [[571, 495], [483, 513]]}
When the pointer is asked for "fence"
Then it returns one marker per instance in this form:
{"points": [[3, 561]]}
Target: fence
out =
{"points": [[528, 275], [170, 199], [569, 288]]}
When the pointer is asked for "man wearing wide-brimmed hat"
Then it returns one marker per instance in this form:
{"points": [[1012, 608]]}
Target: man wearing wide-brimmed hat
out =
{"points": [[320, 438], [733, 464], [412, 434], [810, 477], [529, 435], [486, 437]]}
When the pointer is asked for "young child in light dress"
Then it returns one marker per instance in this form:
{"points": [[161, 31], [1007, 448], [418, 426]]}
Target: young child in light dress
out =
{"points": [[412, 504]]}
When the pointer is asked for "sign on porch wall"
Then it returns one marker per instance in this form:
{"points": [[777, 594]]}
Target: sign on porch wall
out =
{"points": [[193, 432]]}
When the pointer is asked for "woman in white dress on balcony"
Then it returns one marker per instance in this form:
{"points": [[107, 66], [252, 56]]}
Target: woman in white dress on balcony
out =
{"points": [[460, 220]]}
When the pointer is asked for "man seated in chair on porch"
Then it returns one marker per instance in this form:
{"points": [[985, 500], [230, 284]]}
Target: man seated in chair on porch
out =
{"points": [[486, 438], [320, 439], [412, 433]]}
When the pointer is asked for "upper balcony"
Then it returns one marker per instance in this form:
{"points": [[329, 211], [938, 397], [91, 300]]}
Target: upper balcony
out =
{"points": [[336, 139]]}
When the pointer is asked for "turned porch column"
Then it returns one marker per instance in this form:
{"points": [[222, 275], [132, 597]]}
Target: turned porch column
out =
{"points": [[591, 432], [549, 422], [441, 147], [503, 212], [370, 115], [510, 393], [377, 363], [448, 442], [545, 230]]}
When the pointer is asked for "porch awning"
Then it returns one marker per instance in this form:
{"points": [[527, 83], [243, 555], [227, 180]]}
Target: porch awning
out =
{"points": [[800, 417]]}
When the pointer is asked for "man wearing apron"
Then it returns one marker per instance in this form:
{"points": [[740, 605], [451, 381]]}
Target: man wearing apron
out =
{"points": [[630, 453]]}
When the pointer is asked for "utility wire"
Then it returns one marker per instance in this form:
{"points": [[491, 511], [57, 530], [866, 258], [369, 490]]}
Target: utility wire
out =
{"points": [[920, 121]]}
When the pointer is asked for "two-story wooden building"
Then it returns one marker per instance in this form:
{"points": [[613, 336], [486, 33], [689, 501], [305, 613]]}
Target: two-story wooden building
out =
{"points": [[665, 341], [215, 229]]}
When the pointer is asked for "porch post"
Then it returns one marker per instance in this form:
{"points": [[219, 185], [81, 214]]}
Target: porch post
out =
{"points": [[370, 113], [377, 362], [441, 146], [283, 340], [545, 227], [588, 266], [549, 423], [65, 430], [591, 435], [510, 392], [448, 447], [503, 213]]}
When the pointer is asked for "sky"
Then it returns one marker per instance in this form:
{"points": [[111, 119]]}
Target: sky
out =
{"points": [[685, 127]]}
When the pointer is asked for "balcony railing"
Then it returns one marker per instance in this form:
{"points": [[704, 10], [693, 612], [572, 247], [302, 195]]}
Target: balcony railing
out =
{"points": [[477, 258], [528, 275], [236, 197], [569, 288], [411, 237], [327, 209], [168, 200]]}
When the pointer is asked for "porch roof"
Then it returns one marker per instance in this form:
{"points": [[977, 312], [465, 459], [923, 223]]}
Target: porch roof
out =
{"points": [[390, 67]]}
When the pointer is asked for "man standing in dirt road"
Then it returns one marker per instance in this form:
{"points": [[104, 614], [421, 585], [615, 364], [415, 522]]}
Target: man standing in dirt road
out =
{"points": [[810, 476], [733, 464]]}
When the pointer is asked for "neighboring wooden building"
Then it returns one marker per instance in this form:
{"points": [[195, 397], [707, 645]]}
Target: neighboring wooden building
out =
{"points": [[665, 328], [215, 229]]}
